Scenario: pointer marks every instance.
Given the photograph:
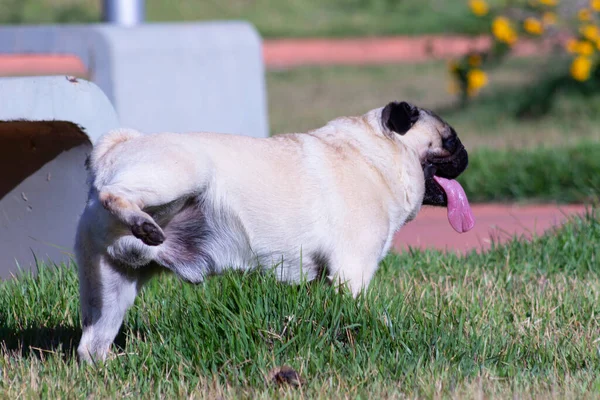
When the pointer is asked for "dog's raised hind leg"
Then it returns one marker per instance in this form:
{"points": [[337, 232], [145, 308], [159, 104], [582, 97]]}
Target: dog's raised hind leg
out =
{"points": [[129, 212]]}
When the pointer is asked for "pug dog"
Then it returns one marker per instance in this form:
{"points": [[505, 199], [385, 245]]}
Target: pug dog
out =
{"points": [[304, 204]]}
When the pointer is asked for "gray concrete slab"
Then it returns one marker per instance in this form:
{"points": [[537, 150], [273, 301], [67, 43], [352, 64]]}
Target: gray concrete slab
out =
{"points": [[47, 127], [164, 76]]}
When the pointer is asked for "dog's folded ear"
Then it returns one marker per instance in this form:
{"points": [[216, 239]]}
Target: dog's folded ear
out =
{"points": [[399, 117]]}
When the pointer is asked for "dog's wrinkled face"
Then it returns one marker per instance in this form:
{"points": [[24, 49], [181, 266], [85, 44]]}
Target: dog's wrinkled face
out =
{"points": [[442, 156]]}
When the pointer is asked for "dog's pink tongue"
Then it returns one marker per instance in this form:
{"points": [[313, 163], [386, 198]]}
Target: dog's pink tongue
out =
{"points": [[460, 214]]}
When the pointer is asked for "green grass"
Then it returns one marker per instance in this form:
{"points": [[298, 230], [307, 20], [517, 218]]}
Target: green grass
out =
{"points": [[48, 11], [314, 18], [306, 98], [562, 175], [274, 18], [520, 319]]}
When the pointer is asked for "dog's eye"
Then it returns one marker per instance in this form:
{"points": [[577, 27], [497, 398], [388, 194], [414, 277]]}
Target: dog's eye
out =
{"points": [[449, 143], [414, 116]]}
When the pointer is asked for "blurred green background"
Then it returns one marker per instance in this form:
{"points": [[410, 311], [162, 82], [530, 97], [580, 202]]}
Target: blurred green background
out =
{"points": [[275, 18]]}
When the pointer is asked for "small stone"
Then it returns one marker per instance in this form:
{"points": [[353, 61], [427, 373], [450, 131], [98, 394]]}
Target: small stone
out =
{"points": [[285, 375]]}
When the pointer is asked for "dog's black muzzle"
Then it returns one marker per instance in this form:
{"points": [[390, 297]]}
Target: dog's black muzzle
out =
{"points": [[449, 167]]}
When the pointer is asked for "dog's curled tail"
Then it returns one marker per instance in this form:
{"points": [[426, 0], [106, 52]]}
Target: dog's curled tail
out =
{"points": [[109, 140]]}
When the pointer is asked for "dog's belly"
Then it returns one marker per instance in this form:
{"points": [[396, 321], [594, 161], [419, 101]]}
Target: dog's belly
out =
{"points": [[202, 241]]}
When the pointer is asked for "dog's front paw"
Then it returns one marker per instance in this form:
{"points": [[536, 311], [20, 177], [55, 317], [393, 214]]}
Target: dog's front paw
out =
{"points": [[147, 232]]}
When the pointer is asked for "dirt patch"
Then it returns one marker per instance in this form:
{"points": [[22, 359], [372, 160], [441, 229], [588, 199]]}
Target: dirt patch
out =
{"points": [[26, 146]]}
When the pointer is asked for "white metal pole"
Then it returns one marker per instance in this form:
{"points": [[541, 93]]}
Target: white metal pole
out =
{"points": [[123, 12]]}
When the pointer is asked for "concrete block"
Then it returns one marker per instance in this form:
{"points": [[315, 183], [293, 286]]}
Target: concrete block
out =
{"points": [[47, 128], [164, 76]]}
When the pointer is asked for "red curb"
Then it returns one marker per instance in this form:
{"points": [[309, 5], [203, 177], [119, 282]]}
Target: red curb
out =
{"points": [[501, 222], [285, 53], [288, 53], [38, 64]]}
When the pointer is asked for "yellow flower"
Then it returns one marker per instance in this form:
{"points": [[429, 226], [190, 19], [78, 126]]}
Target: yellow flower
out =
{"points": [[479, 7], [571, 45], [581, 68], [474, 60], [590, 32], [581, 47], [476, 79], [584, 14], [533, 26], [595, 5], [549, 18], [584, 48], [503, 31], [550, 3]]}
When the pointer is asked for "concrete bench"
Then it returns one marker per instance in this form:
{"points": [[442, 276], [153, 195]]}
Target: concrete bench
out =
{"points": [[164, 76], [47, 128]]}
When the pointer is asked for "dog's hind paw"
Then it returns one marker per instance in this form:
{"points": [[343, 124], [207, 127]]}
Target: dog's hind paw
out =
{"points": [[148, 232]]}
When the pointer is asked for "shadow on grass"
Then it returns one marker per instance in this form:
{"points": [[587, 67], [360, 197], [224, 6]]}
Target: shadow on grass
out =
{"points": [[43, 341], [39, 340]]}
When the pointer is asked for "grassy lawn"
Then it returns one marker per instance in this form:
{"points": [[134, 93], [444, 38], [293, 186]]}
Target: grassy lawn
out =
{"points": [[306, 18], [521, 319], [549, 175], [275, 18], [305, 98]]}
